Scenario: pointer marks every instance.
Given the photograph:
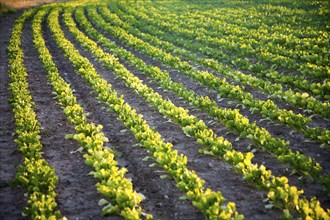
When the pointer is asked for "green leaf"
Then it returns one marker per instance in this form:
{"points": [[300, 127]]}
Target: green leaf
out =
{"points": [[69, 136], [146, 158], [184, 198], [293, 172], [103, 202], [206, 152], [92, 173], [110, 209], [80, 149], [142, 196], [152, 165], [164, 176]]}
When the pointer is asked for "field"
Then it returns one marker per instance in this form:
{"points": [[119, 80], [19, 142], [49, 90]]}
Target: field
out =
{"points": [[166, 110]]}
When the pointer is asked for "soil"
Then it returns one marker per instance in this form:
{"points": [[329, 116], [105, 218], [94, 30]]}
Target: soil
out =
{"points": [[77, 195], [20, 4], [12, 200]]}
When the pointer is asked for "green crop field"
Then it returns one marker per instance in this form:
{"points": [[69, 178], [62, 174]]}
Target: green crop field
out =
{"points": [[213, 109]]}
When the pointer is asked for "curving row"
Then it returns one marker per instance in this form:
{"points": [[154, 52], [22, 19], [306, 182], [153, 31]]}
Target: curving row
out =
{"points": [[40, 180]]}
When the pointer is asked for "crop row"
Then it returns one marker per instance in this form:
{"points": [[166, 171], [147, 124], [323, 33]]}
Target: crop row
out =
{"points": [[40, 180], [224, 89], [315, 66], [288, 26], [231, 118], [259, 176], [35, 175], [295, 81], [112, 184], [295, 99], [209, 202]]}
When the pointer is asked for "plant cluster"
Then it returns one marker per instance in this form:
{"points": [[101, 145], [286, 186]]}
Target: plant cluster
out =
{"points": [[112, 183], [247, 52], [257, 175], [232, 119], [210, 203], [266, 108], [34, 174]]}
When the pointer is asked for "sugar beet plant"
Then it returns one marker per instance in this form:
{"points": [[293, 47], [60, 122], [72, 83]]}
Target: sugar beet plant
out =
{"points": [[191, 125], [209, 202], [34, 174], [267, 108], [231, 118], [222, 49], [113, 185]]}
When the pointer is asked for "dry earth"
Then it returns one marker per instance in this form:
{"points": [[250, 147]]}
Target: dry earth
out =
{"points": [[20, 4]]}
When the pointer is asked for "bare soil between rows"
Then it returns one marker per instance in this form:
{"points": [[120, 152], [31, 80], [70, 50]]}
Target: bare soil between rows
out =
{"points": [[77, 194]]}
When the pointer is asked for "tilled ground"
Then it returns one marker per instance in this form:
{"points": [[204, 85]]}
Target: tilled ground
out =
{"points": [[12, 200], [77, 195]]}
